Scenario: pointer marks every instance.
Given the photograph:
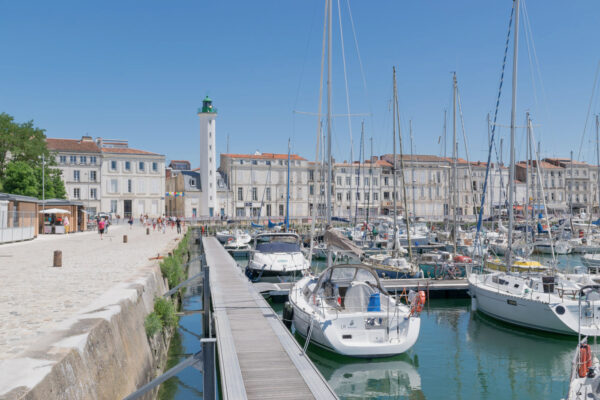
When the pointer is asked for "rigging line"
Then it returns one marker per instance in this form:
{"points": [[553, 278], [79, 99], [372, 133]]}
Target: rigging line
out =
{"points": [[312, 23], [360, 63], [462, 124], [487, 169], [536, 59], [529, 43], [345, 71], [587, 116]]}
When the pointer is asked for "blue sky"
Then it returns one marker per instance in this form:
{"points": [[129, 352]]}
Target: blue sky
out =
{"points": [[139, 70]]}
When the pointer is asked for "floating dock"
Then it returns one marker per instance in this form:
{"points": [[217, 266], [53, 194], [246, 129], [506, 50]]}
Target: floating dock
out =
{"points": [[258, 356], [435, 288]]}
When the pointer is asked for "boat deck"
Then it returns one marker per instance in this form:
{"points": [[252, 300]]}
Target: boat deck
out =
{"points": [[258, 357]]}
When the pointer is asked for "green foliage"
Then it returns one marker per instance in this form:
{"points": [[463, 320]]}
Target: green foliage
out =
{"points": [[152, 323], [172, 270], [165, 309], [168, 389], [20, 178], [21, 142]]}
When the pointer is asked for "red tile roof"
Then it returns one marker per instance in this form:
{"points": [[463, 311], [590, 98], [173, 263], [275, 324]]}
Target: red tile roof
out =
{"points": [[120, 150], [543, 164], [73, 145], [265, 156]]}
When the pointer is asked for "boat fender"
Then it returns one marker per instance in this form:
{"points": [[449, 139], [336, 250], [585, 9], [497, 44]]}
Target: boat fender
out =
{"points": [[418, 302], [585, 360], [288, 314]]}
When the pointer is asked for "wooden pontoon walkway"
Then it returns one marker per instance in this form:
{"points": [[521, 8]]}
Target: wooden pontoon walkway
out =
{"points": [[258, 357]]}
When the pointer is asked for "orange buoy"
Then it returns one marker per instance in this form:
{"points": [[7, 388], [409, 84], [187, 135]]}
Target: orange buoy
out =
{"points": [[585, 360]]}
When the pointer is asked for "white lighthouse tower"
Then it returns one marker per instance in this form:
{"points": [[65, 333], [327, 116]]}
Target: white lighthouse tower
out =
{"points": [[208, 162]]}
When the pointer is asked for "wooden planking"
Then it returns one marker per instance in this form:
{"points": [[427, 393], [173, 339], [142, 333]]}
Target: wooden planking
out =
{"points": [[268, 359]]}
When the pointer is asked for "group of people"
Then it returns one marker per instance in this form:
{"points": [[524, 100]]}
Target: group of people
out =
{"points": [[161, 223]]}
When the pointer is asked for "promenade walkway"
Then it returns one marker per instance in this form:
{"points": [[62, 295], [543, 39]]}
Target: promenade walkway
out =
{"points": [[37, 299]]}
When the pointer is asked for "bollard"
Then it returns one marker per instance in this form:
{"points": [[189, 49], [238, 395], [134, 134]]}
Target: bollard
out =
{"points": [[57, 258], [147, 231], [124, 238]]}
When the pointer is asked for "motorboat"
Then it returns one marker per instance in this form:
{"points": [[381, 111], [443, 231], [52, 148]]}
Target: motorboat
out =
{"points": [[236, 243], [591, 260], [442, 264], [390, 267], [546, 303], [277, 256], [545, 246], [585, 369], [520, 265], [237, 234], [346, 310]]}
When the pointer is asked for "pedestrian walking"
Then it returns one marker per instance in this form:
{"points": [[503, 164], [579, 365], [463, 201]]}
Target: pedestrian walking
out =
{"points": [[178, 223], [101, 226], [130, 223], [153, 224], [66, 224]]}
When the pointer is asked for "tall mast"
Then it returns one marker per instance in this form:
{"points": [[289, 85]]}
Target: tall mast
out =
{"points": [[328, 188], [405, 201], [511, 172], [395, 193], [597, 163], [454, 160], [369, 189], [527, 181], [491, 206], [287, 200], [446, 211], [412, 172]]}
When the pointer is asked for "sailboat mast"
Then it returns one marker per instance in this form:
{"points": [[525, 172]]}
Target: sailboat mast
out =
{"points": [[395, 193], [328, 189], [369, 189], [597, 162], [513, 115], [405, 203], [412, 170], [287, 200], [454, 161], [527, 181]]}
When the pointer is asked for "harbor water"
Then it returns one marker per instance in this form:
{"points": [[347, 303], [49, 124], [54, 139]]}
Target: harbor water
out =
{"points": [[460, 354]]}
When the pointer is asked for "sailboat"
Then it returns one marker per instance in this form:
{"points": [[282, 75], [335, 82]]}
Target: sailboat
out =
{"points": [[546, 303], [345, 309]]}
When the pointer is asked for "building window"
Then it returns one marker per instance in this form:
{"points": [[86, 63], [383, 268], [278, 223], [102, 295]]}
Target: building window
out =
{"points": [[76, 193], [141, 166], [347, 196], [92, 159], [339, 196], [358, 196], [268, 194], [114, 185], [366, 181], [93, 194], [127, 165], [375, 196], [63, 159], [113, 165], [268, 162], [375, 181], [281, 210], [339, 180], [82, 159], [367, 196], [240, 194], [348, 181], [240, 212], [254, 162], [311, 190], [129, 186], [254, 194], [113, 206], [311, 175], [268, 210], [357, 181], [73, 159], [386, 195], [93, 176], [386, 181], [76, 175], [155, 166]]}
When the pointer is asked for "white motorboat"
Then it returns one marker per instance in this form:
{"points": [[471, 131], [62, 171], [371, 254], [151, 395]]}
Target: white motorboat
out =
{"points": [[346, 310], [545, 303], [544, 246], [591, 260], [236, 244], [277, 256], [585, 368]]}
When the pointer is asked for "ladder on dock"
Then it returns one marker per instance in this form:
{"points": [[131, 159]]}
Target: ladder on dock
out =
{"points": [[258, 356]]}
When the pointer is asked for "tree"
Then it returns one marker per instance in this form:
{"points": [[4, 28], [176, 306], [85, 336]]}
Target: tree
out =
{"points": [[21, 142], [20, 178]]}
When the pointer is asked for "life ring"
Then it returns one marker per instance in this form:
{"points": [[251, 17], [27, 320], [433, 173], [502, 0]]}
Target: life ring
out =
{"points": [[418, 302], [585, 360]]}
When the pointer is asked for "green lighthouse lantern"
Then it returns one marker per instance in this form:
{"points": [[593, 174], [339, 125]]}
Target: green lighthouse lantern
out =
{"points": [[207, 105]]}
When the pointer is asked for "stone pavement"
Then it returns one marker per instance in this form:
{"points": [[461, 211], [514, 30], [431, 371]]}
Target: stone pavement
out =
{"points": [[35, 297]]}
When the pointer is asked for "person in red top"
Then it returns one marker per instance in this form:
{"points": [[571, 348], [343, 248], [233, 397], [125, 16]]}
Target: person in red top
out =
{"points": [[101, 225]]}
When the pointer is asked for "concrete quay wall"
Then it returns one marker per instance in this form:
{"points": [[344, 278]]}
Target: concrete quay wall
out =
{"points": [[103, 352]]}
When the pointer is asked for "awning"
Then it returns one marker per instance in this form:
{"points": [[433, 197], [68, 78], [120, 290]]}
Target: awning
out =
{"points": [[55, 211]]}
